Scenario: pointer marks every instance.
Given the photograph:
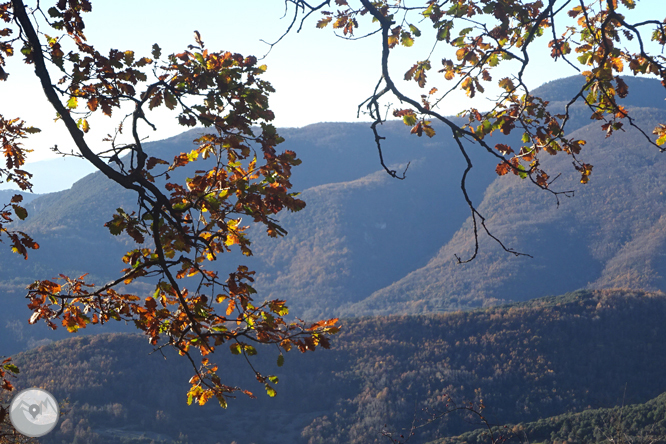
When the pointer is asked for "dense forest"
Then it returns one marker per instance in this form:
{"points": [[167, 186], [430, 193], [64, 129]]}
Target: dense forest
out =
{"points": [[524, 361]]}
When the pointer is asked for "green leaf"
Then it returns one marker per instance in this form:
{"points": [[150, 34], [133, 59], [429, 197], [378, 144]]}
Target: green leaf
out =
{"points": [[250, 350], [72, 103], [20, 212], [169, 100], [585, 58], [53, 12], [428, 12], [409, 119], [406, 39], [522, 173], [12, 368], [280, 361], [116, 226], [415, 30], [235, 349], [487, 127], [271, 391], [274, 379], [444, 32], [457, 10]]}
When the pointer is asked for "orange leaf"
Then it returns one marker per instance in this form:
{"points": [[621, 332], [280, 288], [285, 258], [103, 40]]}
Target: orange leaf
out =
{"points": [[502, 168]]}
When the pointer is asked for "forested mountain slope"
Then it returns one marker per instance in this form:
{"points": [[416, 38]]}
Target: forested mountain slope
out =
{"points": [[350, 240], [635, 423], [368, 244], [526, 361], [611, 234]]}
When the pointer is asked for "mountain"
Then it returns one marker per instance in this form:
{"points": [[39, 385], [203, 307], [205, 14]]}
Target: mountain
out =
{"points": [[340, 178], [527, 361], [367, 244], [55, 174], [6, 195], [611, 234], [644, 422]]}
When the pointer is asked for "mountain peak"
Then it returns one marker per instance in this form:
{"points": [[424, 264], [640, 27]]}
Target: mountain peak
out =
{"points": [[643, 92]]}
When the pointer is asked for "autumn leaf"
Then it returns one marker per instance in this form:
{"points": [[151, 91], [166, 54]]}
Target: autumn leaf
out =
{"points": [[502, 168], [507, 84], [153, 161], [408, 116], [156, 100], [324, 22], [83, 125], [504, 149]]}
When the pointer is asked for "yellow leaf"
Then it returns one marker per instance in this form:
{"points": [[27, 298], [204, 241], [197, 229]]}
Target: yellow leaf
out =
{"points": [[231, 240]]}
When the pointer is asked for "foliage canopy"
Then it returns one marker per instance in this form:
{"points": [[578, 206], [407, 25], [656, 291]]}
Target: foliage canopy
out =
{"points": [[180, 227]]}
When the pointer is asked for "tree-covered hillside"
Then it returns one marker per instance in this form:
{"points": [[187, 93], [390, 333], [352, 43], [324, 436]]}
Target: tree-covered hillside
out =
{"points": [[635, 423], [367, 244], [526, 361], [609, 234]]}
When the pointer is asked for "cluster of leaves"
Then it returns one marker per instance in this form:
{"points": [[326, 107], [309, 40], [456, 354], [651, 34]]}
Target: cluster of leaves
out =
{"points": [[7, 370], [476, 38], [180, 227], [482, 45], [12, 131]]}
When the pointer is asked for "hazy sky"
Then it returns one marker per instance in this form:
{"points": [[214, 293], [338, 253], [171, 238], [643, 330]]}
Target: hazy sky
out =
{"points": [[318, 76]]}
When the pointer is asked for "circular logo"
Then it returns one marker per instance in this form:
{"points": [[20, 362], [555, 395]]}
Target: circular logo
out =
{"points": [[34, 412]]}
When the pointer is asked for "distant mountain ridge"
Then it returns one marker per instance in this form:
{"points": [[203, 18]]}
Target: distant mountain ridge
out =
{"points": [[367, 244], [611, 234]]}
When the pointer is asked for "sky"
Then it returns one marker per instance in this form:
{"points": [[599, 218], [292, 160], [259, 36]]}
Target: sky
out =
{"points": [[318, 77]]}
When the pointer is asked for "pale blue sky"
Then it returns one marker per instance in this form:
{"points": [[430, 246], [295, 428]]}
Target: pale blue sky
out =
{"points": [[318, 77]]}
